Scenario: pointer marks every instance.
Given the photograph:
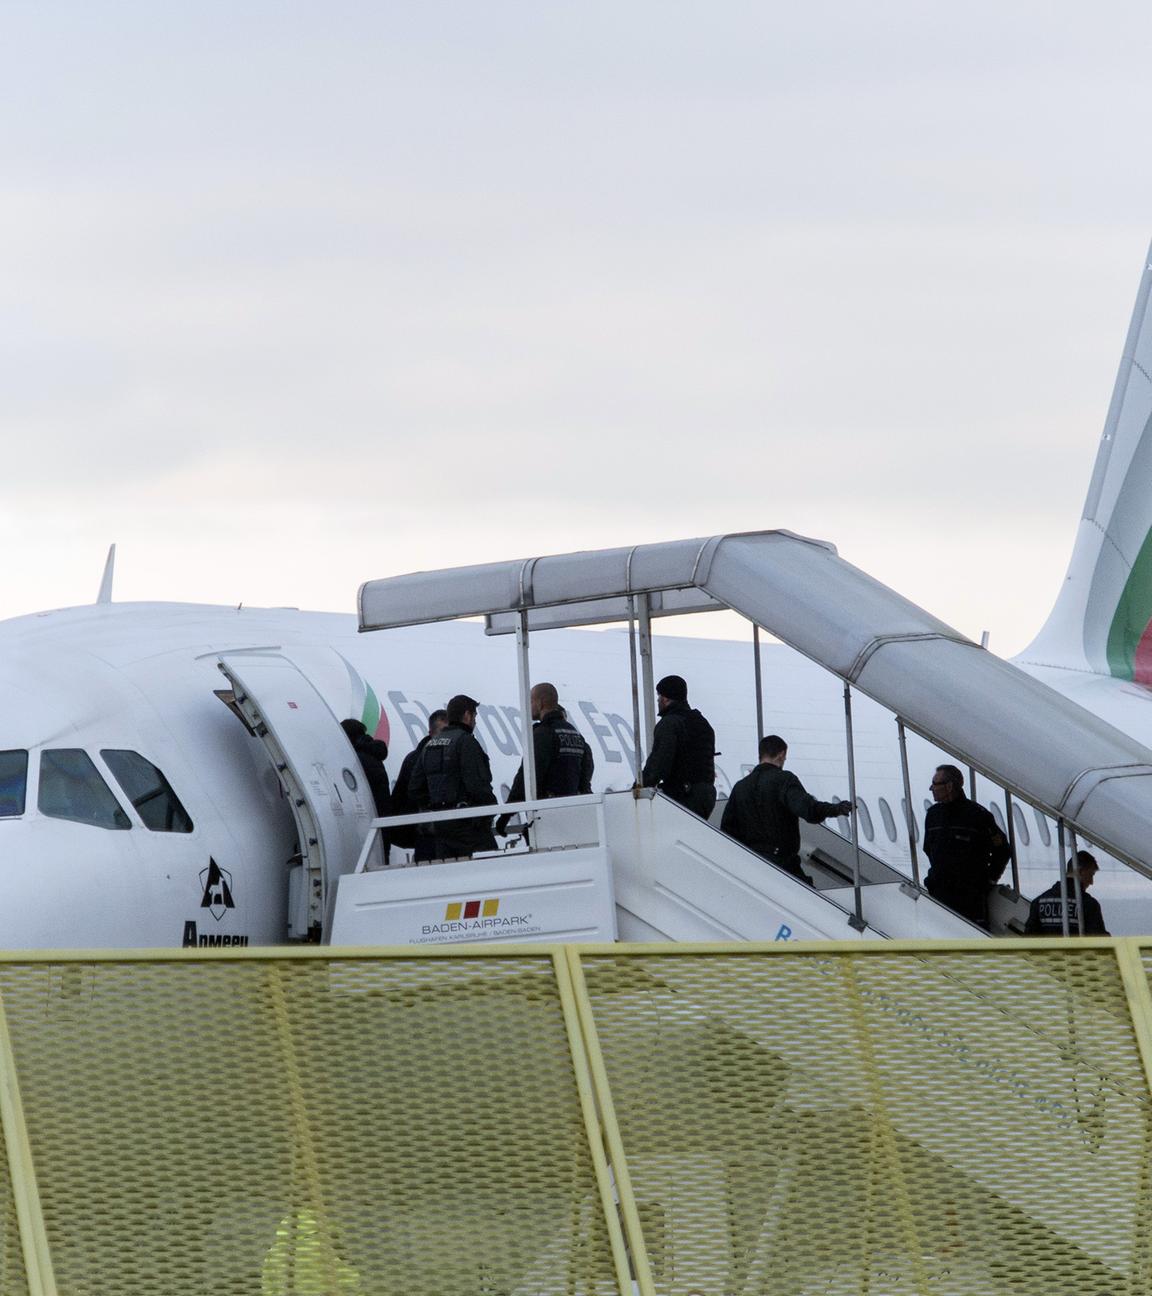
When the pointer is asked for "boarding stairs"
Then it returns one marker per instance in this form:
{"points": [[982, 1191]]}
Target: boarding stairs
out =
{"points": [[991, 716], [827, 857], [635, 866]]}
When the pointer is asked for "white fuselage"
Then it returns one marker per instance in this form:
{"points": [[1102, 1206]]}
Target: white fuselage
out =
{"points": [[143, 678]]}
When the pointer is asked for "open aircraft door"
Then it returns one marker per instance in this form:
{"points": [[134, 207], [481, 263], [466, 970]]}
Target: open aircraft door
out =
{"points": [[319, 772]]}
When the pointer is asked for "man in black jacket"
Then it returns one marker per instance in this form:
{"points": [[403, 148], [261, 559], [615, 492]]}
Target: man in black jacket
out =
{"points": [[968, 853], [1045, 914], [563, 760], [453, 771], [372, 753], [682, 761], [766, 806], [402, 804]]}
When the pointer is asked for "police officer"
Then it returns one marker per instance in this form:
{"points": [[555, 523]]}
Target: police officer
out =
{"points": [[966, 850], [402, 803], [1045, 914], [562, 758], [453, 771], [766, 806], [682, 761]]}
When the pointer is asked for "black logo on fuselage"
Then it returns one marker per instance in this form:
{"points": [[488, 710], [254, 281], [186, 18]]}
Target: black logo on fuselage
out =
{"points": [[217, 884]]}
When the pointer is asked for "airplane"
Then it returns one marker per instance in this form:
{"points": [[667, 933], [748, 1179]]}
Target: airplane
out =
{"points": [[143, 802]]}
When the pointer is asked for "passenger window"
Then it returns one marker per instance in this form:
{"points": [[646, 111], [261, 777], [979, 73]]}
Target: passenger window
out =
{"points": [[149, 791], [1021, 825], [914, 827], [1042, 827], [13, 781], [71, 788], [998, 815], [865, 818], [889, 822]]}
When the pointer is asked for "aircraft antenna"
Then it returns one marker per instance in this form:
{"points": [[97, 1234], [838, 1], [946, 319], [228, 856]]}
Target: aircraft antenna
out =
{"points": [[105, 595]]}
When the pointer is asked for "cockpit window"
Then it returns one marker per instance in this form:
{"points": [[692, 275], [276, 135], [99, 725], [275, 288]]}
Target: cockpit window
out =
{"points": [[149, 791], [13, 781], [71, 788]]}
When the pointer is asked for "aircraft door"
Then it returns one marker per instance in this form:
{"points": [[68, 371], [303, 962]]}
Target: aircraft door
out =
{"points": [[318, 769]]}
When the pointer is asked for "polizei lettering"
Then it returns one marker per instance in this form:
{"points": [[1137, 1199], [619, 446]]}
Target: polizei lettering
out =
{"points": [[209, 940], [474, 925]]}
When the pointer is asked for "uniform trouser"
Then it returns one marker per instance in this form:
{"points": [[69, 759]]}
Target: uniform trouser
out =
{"points": [[790, 864], [445, 846], [700, 798], [447, 851], [438, 841], [967, 898]]}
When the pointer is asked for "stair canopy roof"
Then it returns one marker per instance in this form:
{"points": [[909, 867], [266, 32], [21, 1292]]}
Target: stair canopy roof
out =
{"points": [[986, 711]]}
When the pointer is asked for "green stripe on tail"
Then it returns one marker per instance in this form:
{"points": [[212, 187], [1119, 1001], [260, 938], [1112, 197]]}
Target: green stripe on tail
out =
{"points": [[1133, 613]]}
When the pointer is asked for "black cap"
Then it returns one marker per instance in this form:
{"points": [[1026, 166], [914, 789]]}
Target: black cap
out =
{"points": [[458, 705], [674, 688], [354, 728]]}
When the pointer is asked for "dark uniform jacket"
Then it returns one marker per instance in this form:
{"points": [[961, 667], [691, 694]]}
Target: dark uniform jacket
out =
{"points": [[451, 771], [587, 770], [764, 812], [373, 753], [563, 759], [967, 852], [402, 803], [1044, 914], [682, 762]]}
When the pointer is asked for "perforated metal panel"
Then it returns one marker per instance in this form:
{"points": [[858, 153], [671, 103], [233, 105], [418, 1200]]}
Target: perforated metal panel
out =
{"points": [[13, 1278], [843, 1119], [893, 1122], [308, 1127]]}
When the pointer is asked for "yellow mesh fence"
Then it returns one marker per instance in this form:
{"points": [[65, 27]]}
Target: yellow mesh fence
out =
{"points": [[953, 1121], [840, 1120], [13, 1276], [307, 1127]]}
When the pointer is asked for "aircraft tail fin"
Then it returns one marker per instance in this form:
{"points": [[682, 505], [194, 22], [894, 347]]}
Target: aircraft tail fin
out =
{"points": [[1102, 620], [105, 594]]}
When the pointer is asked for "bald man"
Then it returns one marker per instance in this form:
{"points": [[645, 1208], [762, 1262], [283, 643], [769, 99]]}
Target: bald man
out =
{"points": [[563, 759]]}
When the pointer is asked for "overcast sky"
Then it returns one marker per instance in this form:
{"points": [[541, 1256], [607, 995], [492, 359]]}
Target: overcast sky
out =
{"points": [[296, 295]]}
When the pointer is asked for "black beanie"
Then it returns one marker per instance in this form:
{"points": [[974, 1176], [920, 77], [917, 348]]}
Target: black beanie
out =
{"points": [[674, 688]]}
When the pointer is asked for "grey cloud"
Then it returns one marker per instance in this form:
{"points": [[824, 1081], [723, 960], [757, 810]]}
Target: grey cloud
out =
{"points": [[688, 270]]}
